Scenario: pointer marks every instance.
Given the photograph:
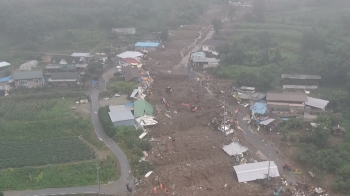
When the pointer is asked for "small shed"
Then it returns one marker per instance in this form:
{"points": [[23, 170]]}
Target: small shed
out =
{"points": [[254, 171], [338, 130], [234, 149], [122, 118], [149, 46]]}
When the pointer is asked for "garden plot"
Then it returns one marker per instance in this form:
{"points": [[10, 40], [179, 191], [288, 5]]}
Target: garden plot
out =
{"points": [[43, 152]]}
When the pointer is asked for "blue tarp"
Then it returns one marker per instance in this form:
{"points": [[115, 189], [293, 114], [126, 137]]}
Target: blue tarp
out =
{"points": [[93, 82], [258, 108], [131, 104]]}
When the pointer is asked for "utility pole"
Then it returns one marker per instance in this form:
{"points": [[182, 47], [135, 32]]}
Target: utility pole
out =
{"points": [[98, 181]]}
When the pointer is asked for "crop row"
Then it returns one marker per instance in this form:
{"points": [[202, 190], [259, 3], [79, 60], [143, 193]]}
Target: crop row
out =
{"points": [[36, 153]]}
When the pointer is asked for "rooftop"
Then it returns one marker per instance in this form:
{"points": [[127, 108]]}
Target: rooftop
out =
{"points": [[234, 149], [5, 79], [129, 54], [118, 108], [294, 97], [25, 75], [4, 64], [121, 116], [130, 30], [147, 44], [301, 77], [317, 103], [254, 171], [205, 60], [65, 75], [80, 54], [131, 73]]}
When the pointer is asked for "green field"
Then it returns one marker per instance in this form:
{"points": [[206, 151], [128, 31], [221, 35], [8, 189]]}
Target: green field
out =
{"points": [[40, 145], [43, 152]]}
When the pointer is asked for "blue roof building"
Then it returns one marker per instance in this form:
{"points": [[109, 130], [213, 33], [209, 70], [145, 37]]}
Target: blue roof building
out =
{"points": [[140, 46], [5, 79]]}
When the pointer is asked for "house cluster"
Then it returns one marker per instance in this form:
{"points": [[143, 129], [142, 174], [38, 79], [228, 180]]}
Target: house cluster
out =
{"points": [[61, 71], [201, 58], [269, 109]]}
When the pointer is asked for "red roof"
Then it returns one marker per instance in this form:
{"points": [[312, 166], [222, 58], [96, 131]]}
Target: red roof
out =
{"points": [[131, 61]]}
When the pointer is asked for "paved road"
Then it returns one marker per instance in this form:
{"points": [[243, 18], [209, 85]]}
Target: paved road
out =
{"points": [[117, 187]]}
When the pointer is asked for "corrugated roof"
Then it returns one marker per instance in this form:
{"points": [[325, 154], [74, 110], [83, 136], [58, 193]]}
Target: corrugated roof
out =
{"points": [[134, 93], [197, 59], [119, 108], [198, 54], [147, 44], [296, 97], [256, 96], [5, 79], [121, 116], [24, 75], [142, 107], [4, 64], [234, 149], [129, 54], [247, 88], [317, 103], [65, 75], [300, 76], [131, 73], [258, 108], [254, 171]]}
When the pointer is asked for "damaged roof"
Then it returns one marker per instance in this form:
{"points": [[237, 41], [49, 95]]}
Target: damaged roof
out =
{"points": [[254, 171], [234, 149], [294, 97], [300, 76]]}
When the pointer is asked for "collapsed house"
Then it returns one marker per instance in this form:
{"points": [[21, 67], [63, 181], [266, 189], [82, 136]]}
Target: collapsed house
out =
{"points": [[255, 171]]}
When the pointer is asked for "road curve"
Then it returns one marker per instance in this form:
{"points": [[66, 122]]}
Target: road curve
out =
{"points": [[117, 187]]}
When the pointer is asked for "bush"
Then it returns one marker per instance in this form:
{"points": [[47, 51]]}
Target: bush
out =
{"points": [[143, 167]]}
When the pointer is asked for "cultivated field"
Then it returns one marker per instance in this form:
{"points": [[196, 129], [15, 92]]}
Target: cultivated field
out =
{"points": [[44, 143]]}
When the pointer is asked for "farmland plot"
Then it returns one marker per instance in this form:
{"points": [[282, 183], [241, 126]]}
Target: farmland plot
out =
{"points": [[35, 153]]}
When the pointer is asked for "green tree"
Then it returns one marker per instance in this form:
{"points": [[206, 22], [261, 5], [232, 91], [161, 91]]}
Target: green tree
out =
{"points": [[217, 25], [1, 193], [320, 136], [164, 35]]}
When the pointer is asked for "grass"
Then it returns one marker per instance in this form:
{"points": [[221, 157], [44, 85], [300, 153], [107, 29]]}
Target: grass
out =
{"points": [[65, 175], [35, 153]]}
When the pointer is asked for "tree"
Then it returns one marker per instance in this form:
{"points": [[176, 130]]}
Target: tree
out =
{"points": [[217, 25], [320, 136], [1, 193]]}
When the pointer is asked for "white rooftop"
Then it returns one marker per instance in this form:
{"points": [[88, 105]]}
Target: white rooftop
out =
{"points": [[317, 103], [120, 116], [234, 149], [266, 122], [130, 54], [4, 64], [254, 171], [80, 54]]}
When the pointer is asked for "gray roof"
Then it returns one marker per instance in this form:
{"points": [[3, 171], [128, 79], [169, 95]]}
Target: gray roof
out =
{"points": [[317, 103], [128, 31], [78, 54], [130, 54], [296, 97], [267, 122], [247, 88], [131, 73], [234, 149], [253, 171], [65, 75], [121, 116], [299, 76], [256, 96], [214, 42], [25, 75]]}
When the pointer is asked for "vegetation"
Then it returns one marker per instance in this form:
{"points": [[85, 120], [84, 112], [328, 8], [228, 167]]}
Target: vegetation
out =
{"points": [[73, 174], [128, 139], [41, 129], [311, 39], [117, 85], [43, 152]]}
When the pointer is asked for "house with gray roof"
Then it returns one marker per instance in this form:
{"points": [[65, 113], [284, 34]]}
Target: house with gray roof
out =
{"points": [[30, 79], [298, 81], [63, 79]]}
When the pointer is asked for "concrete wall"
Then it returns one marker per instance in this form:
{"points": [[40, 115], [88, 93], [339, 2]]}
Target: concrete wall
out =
{"points": [[124, 123], [4, 86]]}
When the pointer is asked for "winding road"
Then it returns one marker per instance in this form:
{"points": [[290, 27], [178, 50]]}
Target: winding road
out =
{"points": [[117, 187]]}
